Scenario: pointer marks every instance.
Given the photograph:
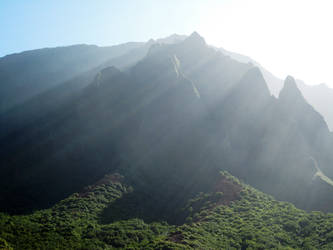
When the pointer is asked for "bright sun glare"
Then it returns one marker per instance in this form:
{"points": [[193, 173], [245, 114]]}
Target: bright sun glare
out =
{"points": [[286, 37]]}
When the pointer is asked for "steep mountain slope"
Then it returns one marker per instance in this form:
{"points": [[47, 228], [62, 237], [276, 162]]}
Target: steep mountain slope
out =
{"points": [[47, 102], [183, 110], [25, 75], [35, 108], [319, 96]]}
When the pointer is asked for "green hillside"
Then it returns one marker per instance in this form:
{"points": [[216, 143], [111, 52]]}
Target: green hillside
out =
{"points": [[232, 216]]}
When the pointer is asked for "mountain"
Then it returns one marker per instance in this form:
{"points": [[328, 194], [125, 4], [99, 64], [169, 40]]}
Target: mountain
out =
{"points": [[27, 74], [136, 153], [46, 97], [319, 96], [183, 110]]}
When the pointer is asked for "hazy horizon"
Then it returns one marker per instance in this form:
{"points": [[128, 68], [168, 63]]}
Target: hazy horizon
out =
{"points": [[287, 38]]}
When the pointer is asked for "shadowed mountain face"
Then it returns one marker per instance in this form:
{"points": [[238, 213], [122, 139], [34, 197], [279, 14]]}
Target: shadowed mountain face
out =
{"points": [[64, 73], [27, 74], [171, 121]]}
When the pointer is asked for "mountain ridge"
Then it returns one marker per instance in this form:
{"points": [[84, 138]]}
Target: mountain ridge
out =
{"points": [[319, 96], [145, 111], [143, 150]]}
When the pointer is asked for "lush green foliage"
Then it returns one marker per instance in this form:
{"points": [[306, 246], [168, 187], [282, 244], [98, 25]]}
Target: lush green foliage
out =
{"points": [[251, 221], [74, 223]]}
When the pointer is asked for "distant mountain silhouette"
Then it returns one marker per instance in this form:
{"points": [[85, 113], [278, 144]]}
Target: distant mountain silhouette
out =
{"points": [[319, 96], [27, 74], [82, 63]]}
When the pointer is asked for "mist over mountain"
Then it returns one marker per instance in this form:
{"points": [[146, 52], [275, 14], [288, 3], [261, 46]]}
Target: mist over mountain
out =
{"points": [[144, 131], [210, 90], [29, 73], [319, 96], [44, 95]]}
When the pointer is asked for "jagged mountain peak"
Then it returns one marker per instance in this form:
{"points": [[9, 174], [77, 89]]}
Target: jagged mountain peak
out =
{"points": [[290, 91], [255, 81], [195, 39], [290, 81]]}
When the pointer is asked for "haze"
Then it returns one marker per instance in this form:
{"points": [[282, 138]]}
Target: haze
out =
{"points": [[287, 37]]}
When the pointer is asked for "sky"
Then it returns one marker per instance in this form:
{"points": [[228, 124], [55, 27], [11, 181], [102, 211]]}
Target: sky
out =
{"points": [[287, 37]]}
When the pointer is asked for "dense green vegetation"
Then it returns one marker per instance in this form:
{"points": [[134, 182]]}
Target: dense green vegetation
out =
{"points": [[238, 218]]}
